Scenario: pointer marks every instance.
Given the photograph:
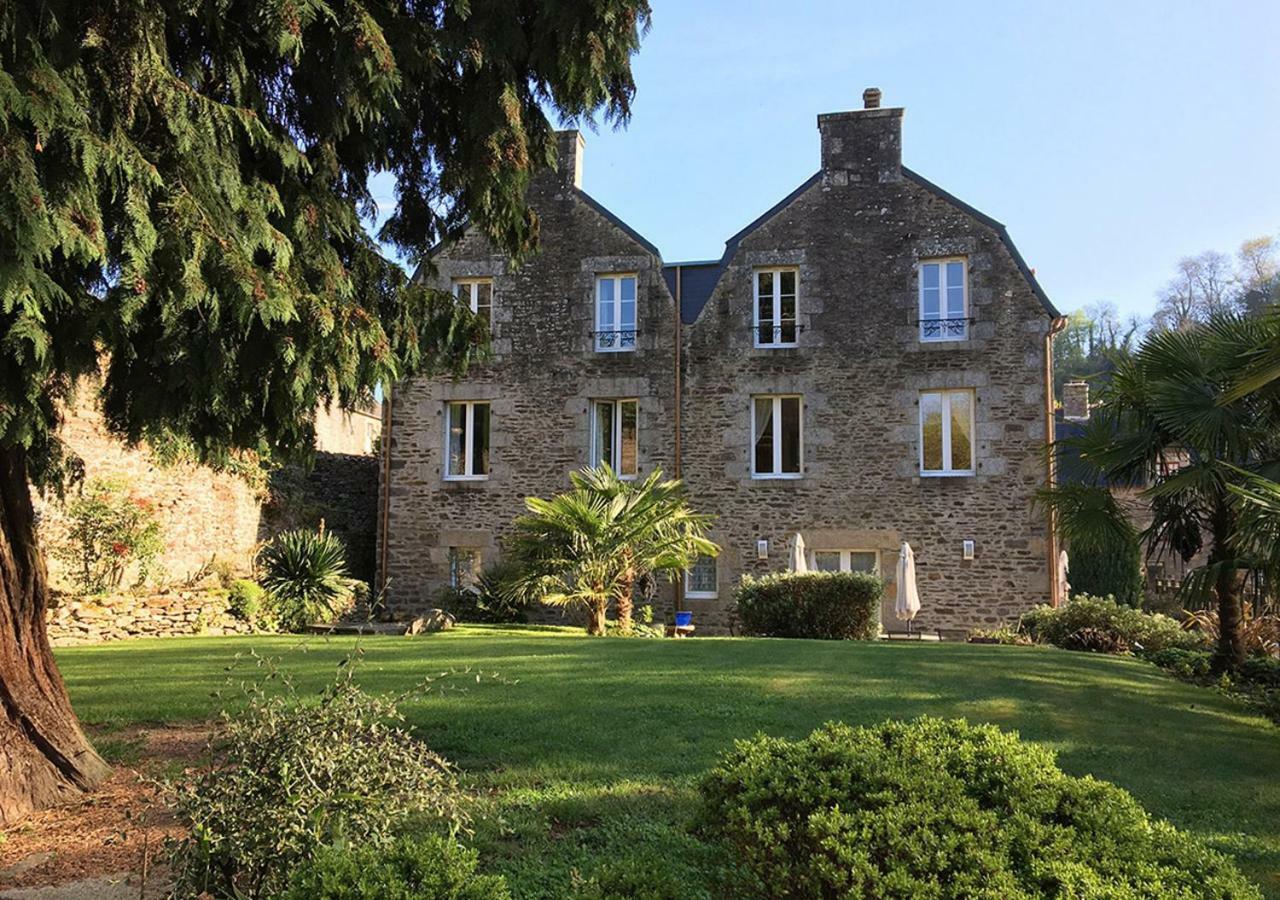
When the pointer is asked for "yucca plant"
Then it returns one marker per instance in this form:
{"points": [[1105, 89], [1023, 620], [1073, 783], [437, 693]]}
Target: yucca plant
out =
{"points": [[305, 572], [589, 546]]}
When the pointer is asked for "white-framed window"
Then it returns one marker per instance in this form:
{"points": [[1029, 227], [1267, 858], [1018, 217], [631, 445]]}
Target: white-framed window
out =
{"points": [[944, 299], [478, 295], [776, 306], [700, 580], [615, 313], [464, 567], [615, 435], [466, 431], [847, 561], [776, 436], [946, 432]]}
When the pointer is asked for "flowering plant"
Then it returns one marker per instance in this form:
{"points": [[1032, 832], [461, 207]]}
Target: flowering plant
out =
{"points": [[109, 529]]}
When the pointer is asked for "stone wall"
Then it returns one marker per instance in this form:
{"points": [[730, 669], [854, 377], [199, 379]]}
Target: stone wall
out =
{"points": [[207, 516], [161, 613]]}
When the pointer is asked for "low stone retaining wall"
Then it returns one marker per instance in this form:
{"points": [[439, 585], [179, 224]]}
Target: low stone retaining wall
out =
{"points": [[161, 613]]}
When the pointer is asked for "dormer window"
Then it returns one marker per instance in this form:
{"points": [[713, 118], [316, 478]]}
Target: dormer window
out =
{"points": [[776, 307], [944, 300], [615, 313], [477, 293]]}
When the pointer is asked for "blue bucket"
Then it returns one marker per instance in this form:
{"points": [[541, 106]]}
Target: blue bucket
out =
{"points": [[684, 619]]}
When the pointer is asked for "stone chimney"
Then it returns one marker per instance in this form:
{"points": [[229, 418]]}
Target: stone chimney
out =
{"points": [[863, 146], [1075, 401], [569, 146]]}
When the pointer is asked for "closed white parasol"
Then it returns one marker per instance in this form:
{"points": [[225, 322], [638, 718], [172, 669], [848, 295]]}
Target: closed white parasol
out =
{"points": [[908, 602], [799, 563]]}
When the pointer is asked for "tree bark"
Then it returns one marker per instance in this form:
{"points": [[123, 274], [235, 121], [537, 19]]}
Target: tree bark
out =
{"points": [[595, 617], [45, 758], [626, 604], [1230, 654]]}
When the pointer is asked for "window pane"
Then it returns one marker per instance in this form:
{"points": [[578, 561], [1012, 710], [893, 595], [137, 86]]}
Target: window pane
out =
{"points": [[461, 290], [764, 284], [961, 430], [931, 431], [602, 452], [929, 276], [480, 440], [456, 464], [930, 304], [791, 435], [787, 328], [787, 283], [605, 305], [627, 449], [862, 561], [464, 566], [826, 560], [628, 289], [764, 435], [955, 302], [702, 577], [955, 274]]}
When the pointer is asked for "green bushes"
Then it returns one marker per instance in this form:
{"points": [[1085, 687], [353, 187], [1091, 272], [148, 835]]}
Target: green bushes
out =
{"points": [[248, 602], [297, 776], [934, 808], [305, 572], [1102, 625], [109, 528], [500, 594], [830, 605], [434, 867], [1113, 568], [1183, 663]]}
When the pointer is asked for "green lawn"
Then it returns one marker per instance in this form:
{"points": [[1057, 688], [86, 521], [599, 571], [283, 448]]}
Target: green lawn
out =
{"points": [[593, 752]]}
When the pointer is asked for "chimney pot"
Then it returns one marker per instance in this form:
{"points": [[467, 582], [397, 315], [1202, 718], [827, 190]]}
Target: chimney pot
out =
{"points": [[1075, 401], [871, 98]]}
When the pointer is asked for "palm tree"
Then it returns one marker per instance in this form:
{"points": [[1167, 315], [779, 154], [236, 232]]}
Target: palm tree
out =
{"points": [[1168, 421], [588, 546]]}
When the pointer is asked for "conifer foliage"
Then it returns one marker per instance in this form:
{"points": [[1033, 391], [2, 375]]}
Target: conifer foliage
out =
{"points": [[183, 187]]}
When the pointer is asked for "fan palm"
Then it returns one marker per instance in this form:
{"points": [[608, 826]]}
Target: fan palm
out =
{"points": [[588, 546], [1168, 421]]}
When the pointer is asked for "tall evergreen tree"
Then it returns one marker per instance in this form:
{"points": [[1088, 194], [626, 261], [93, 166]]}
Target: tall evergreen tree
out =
{"points": [[182, 190]]}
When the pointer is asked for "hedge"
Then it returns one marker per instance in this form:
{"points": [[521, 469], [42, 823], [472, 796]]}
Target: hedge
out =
{"points": [[824, 605], [942, 809], [1101, 623]]}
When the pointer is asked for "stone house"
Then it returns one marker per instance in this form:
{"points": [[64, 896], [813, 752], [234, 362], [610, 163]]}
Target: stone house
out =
{"points": [[867, 363]]}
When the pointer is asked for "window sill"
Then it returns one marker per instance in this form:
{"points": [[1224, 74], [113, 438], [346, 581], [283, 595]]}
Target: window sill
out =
{"points": [[777, 346], [615, 350], [701, 595], [785, 476], [464, 479], [959, 474]]}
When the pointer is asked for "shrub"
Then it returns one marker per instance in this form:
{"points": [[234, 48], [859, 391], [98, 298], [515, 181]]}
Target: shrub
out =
{"points": [[295, 776], [934, 808], [409, 869], [305, 572], [830, 605], [1005, 634], [1127, 627], [499, 595], [1113, 569], [109, 529], [246, 600], [1263, 671], [1183, 663], [1095, 640]]}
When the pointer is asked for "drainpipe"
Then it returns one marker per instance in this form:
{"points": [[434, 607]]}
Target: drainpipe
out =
{"points": [[679, 602], [385, 518], [1051, 471]]}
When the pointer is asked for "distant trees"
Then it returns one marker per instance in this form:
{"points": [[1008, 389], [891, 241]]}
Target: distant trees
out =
{"points": [[1212, 283], [1095, 339]]}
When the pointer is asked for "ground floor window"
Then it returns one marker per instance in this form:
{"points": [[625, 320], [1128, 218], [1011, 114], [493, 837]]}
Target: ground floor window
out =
{"points": [[700, 581], [464, 566], [614, 438], [846, 561], [467, 434]]}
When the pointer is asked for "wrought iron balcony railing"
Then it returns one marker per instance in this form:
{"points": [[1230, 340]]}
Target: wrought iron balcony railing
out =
{"points": [[944, 329], [624, 339]]}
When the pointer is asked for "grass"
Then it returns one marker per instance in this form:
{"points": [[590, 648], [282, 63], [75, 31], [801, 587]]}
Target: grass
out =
{"points": [[593, 753]]}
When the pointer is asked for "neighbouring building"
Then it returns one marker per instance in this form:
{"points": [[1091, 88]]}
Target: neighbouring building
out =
{"points": [[867, 363]]}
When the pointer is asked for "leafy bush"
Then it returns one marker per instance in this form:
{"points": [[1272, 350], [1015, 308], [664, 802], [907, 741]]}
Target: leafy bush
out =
{"points": [[1183, 663], [830, 605], [1110, 569], [305, 572], [1095, 640], [109, 529], [295, 776], [499, 595], [1005, 634], [409, 869], [935, 808], [1263, 671], [247, 601], [1259, 631], [1126, 626]]}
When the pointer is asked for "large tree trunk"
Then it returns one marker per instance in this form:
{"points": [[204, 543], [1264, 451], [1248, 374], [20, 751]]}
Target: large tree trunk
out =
{"points": [[595, 617], [626, 604], [45, 758], [1230, 654]]}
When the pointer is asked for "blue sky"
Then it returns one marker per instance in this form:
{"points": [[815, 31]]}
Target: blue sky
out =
{"points": [[1111, 138]]}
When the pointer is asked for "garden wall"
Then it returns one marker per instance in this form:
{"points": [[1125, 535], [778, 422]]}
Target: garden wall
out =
{"points": [[161, 613], [206, 515]]}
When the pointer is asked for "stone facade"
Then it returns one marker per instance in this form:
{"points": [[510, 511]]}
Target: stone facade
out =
{"points": [[854, 234]]}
